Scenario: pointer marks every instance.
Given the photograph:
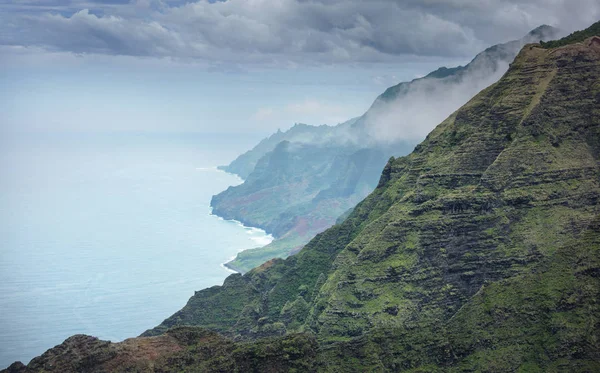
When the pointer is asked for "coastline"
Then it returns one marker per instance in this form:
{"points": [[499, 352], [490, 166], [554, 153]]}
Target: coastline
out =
{"points": [[263, 233], [226, 265]]}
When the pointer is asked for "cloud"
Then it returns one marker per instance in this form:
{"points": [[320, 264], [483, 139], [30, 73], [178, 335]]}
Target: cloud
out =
{"points": [[108, 35], [284, 31], [410, 111], [427, 103]]}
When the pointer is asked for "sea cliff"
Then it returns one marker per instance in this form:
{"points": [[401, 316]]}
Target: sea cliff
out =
{"points": [[479, 251]]}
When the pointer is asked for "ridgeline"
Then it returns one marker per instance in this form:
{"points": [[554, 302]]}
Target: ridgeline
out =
{"points": [[479, 251], [299, 182]]}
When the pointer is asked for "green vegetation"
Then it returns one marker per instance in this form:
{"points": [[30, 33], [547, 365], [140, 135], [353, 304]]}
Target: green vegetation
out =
{"points": [[245, 163], [479, 251], [280, 248], [179, 350], [469, 254], [299, 182], [298, 190], [576, 37]]}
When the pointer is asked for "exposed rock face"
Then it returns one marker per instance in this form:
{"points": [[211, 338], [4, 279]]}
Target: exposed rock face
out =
{"points": [[480, 251], [181, 349]]}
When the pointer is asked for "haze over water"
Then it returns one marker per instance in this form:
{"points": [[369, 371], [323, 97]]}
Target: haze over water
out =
{"points": [[108, 235]]}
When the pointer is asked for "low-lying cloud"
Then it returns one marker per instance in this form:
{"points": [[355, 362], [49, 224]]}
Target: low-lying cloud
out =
{"points": [[424, 103], [428, 104]]}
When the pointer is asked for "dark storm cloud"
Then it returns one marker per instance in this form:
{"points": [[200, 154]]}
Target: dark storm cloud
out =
{"points": [[297, 31]]}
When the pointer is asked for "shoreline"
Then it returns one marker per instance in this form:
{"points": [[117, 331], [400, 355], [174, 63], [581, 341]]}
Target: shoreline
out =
{"points": [[228, 267], [268, 236]]}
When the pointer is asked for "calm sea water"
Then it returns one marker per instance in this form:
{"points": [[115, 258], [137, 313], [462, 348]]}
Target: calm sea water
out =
{"points": [[108, 235]]}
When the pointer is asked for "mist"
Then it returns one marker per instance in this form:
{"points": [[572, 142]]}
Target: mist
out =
{"points": [[408, 111], [419, 106], [426, 104]]}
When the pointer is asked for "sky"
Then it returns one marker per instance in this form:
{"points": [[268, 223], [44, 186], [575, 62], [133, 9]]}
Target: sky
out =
{"points": [[237, 66]]}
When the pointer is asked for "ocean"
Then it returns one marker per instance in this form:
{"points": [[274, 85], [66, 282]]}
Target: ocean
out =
{"points": [[109, 234]]}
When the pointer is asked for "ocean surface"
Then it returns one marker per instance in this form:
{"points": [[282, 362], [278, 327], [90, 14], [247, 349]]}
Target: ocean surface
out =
{"points": [[108, 234]]}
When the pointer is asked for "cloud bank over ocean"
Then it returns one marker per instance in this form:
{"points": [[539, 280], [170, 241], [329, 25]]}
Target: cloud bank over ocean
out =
{"points": [[284, 32]]}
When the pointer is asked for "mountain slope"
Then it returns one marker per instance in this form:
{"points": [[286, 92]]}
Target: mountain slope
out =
{"points": [[299, 190], [480, 251], [245, 163], [490, 60], [492, 190], [302, 185]]}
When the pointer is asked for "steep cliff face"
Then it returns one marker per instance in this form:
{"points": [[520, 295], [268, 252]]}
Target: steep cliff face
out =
{"points": [[300, 186], [543, 320], [494, 190], [299, 190], [480, 251], [289, 184]]}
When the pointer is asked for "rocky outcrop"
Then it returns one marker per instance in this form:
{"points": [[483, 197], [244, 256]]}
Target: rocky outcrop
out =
{"points": [[180, 349]]}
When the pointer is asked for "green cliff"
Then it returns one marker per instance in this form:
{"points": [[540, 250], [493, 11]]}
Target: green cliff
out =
{"points": [[303, 179], [493, 190], [479, 251], [299, 190]]}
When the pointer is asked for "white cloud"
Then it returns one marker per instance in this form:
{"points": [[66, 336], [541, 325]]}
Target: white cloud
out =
{"points": [[427, 103], [285, 31]]}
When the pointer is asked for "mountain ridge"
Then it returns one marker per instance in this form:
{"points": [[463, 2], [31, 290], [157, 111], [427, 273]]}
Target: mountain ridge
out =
{"points": [[305, 202], [339, 298], [479, 251]]}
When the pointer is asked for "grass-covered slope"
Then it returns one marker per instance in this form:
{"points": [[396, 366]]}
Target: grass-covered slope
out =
{"points": [[495, 190], [299, 190], [275, 297], [489, 261], [301, 185], [576, 37], [480, 251], [544, 320]]}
